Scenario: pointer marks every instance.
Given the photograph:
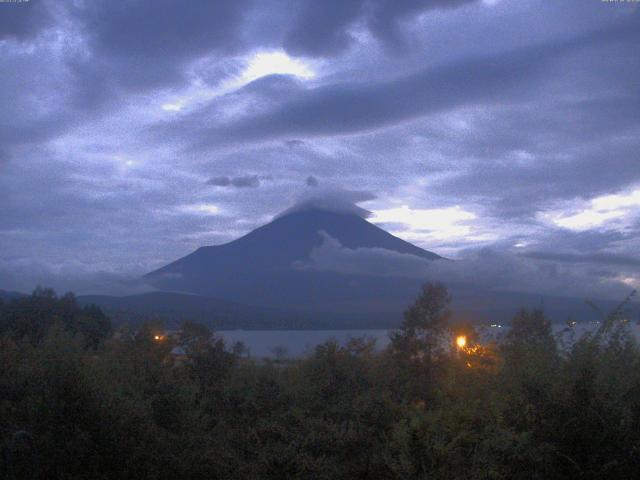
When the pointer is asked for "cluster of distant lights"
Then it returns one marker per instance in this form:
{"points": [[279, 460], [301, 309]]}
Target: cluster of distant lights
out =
{"points": [[462, 343]]}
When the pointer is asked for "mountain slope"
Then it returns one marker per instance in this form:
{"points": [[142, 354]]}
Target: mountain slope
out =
{"points": [[259, 268], [290, 238]]}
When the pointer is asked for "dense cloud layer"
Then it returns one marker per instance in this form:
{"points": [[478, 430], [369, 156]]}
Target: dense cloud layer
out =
{"points": [[326, 28], [133, 132], [25, 22], [331, 200], [485, 268], [246, 181]]}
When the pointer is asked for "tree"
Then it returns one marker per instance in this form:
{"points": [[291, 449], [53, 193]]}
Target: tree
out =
{"points": [[419, 342], [195, 337], [94, 325], [530, 327], [32, 317]]}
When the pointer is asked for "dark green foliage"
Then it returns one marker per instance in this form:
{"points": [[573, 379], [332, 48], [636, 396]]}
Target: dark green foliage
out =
{"points": [[126, 407], [418, 345], [31, 317]]}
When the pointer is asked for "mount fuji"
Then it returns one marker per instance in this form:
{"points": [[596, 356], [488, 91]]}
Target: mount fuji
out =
{"points": [[316, 266], [273, 266]]}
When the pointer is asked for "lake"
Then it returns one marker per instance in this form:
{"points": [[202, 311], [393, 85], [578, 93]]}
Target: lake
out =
{"points": [[296, 343], [261, 343]]}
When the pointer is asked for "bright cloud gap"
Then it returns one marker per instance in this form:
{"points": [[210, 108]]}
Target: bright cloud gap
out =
{"points": [[602, 212], [436, 223], [257, 65]]}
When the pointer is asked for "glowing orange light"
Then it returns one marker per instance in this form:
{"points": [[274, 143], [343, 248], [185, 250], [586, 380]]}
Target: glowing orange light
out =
{"points": [[157, 338], [461, 341]]}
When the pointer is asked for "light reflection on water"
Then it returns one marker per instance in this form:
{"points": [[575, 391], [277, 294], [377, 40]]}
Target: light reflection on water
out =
{"points": [[296, 343]]}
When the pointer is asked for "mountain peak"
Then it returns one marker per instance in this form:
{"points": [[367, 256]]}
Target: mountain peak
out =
{"points": [[344, 202]]}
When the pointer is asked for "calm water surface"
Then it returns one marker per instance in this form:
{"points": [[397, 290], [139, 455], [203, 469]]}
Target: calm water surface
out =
{"points": [[262, 343], [296, 343]]}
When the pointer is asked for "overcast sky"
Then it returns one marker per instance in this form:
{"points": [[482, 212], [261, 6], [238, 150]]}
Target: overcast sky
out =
{"points": [[132, 133]]}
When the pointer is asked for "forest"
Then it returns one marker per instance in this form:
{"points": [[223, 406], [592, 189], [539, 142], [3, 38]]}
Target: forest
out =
{"points": [[81, 400]]}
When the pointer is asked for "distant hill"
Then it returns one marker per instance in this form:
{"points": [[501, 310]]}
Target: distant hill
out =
{"points": [[469, 306], [8, 295], [174, 308], [499, 306]]}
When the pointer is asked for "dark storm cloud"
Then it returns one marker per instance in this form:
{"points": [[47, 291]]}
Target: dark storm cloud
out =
{"points": [[23, 20], [4, 158], [149, 43], [245, 181], [294, 143], [551, 124], [348, 108], [33, 96], [322, 28], [311, 181], [352, 107], [164, 27], [521, 188], [386, 16], [15, 138]]}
